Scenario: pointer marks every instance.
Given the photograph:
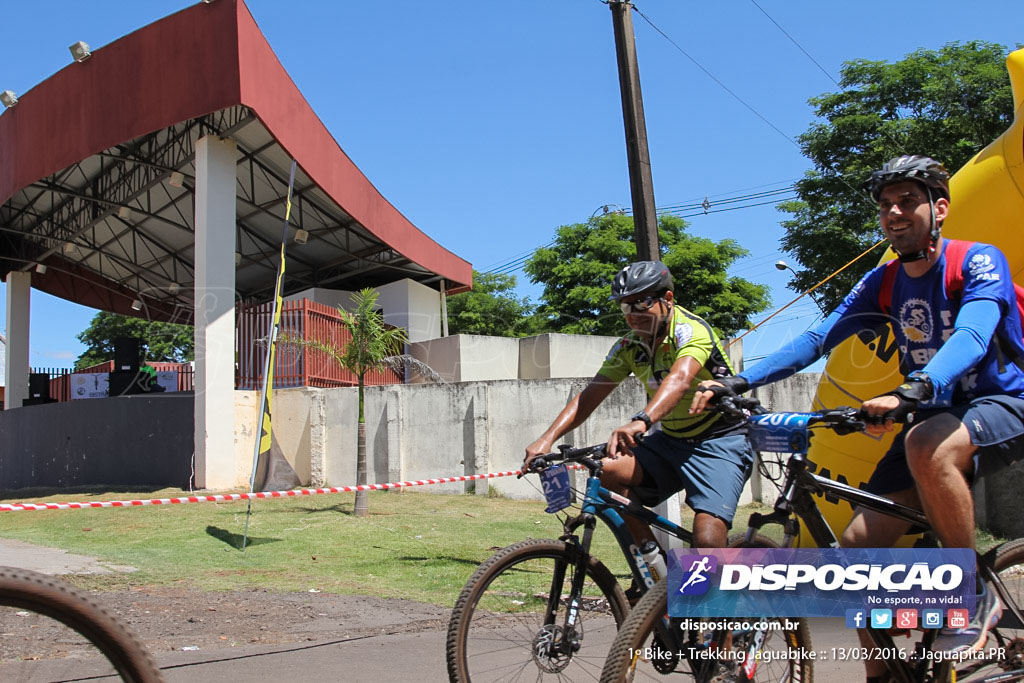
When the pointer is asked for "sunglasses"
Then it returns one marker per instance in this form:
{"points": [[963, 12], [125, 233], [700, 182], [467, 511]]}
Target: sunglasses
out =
{"points": [[641, 306]]}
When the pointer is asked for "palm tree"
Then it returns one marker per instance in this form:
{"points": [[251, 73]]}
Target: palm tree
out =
{"points": [[371, 347]]}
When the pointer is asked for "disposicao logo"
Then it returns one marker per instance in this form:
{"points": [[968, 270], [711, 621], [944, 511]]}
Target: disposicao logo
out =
{"points": [[697, 571], [818, 582]]}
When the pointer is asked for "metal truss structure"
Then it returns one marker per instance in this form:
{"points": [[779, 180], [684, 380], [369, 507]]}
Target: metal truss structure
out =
{"points": [[122, 221]]}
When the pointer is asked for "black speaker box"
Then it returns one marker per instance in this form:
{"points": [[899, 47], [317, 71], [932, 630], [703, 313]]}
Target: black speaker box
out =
{"points": [[38, 386], [126, 354], [124, 383]]}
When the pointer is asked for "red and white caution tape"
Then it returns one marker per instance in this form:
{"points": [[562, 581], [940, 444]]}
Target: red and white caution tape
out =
{"points": [[231, 497]]}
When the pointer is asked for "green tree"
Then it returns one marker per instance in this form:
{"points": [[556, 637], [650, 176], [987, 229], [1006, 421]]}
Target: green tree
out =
{"points": [[947, 103], [161, 342], [491, 308], [577, 272], [372, 343]]}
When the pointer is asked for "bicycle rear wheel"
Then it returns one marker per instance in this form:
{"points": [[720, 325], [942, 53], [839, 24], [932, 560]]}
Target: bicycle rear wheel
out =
{"points": [[640, 651], [497, 629], [1004, 651], [27, 597]]}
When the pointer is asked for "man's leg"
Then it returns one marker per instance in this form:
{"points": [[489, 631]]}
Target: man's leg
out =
{"points": [[869, 529], [709, 531], [939, 452], [618, 476]]}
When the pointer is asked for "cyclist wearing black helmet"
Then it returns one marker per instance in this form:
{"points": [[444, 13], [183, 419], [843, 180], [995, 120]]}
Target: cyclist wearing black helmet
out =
{"points": [[961, 354], [670, 350]]}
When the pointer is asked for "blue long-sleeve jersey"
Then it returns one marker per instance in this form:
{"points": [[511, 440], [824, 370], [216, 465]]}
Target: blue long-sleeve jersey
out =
{"points": [[967, 350]]}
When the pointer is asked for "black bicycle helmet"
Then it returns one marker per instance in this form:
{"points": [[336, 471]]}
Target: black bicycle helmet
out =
{"points": [[924, 170], [641, 277]]}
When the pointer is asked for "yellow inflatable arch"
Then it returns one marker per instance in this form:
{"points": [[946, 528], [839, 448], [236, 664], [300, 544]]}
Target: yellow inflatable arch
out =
{"points": [[987, 206]]}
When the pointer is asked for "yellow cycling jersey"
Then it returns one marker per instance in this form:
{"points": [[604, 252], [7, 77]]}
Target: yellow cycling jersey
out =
{"points": [[687, 335]]}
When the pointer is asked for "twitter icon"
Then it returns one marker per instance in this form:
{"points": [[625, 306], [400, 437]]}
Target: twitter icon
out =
{"points": [[881, 618]]}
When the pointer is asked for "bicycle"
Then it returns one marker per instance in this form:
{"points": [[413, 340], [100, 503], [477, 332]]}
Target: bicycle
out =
{"points": [[36, 595], [1002, 567], [548, 609]]}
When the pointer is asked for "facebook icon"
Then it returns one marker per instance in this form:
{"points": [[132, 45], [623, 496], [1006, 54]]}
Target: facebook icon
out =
{"points": [[856, 618]]}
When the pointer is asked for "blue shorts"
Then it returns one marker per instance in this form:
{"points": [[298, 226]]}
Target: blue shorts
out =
{"points": [[712, 471], [995, 423]]}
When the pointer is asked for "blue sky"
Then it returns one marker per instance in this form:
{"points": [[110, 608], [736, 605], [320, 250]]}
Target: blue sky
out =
{"points": [[490, 124]]}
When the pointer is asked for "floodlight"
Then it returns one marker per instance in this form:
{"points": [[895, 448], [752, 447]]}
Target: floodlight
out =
{"points": [[301, 236], [173, 288], [71, 249], [80, 51], [175, 179], [8, 98], [238, 259], [124, 213], [137, 305], [41, 269]]}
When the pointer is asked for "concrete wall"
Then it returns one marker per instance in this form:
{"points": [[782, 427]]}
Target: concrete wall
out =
{"points": [[405, 303], [562, 355], [122, 441], [468, 357]]}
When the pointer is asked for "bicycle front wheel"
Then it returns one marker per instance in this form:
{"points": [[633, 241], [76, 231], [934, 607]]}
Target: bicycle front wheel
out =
{"points": [[31, 605], [642, 651], [498, 630]]}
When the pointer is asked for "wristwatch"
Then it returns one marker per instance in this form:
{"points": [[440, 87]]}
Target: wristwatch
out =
{"points": [[643, 417]]}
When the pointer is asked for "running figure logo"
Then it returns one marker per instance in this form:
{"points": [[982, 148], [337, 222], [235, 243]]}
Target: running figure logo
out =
{"points": [[696, 573]]}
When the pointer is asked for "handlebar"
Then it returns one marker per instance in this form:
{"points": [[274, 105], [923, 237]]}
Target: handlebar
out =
{"points": [[587, 455], [842, 420]]}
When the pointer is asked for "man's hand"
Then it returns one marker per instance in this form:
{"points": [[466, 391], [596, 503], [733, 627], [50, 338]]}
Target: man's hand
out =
{"points": [[710, 391], [624, 439], [876, 407], [539, 447]]}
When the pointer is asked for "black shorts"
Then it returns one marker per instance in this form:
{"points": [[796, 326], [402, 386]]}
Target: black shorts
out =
{"points": [[996, 426]]}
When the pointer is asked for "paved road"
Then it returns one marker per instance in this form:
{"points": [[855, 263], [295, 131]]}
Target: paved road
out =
{"points": [[381, 658]]}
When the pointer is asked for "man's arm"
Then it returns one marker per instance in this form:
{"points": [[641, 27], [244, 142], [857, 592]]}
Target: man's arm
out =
{"points": [[573, 415], [669, 393]]}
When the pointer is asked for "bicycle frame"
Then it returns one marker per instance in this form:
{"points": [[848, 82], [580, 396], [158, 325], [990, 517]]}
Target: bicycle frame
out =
{"points": [[797, 499]]}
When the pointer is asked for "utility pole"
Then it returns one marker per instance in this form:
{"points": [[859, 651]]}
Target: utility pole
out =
{"points": [[641, 184]]}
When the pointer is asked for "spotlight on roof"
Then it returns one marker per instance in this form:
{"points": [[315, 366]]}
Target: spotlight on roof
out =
{"points": [[173, 288], [80, 51], [124, 213], [41, 269], [301, 236], [71, 249], [238, 258], [137, 305], [175, 179], [8, 98]]}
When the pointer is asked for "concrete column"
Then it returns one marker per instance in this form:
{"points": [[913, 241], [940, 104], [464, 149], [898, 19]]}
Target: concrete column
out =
{"points": [[215, 314], [19, 288]]}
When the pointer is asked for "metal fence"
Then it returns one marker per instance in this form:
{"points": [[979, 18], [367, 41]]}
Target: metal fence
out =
{"points": [[60, 378], [296, 365]]}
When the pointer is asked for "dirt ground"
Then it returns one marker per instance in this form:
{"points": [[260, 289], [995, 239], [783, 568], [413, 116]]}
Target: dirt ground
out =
{"points": [[186, 619]]}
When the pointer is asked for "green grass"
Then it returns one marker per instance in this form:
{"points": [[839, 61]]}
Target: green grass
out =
{"points": [[414, 545]]}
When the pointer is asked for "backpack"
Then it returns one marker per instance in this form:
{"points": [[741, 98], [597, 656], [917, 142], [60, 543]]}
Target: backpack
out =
{"points": [[956, 253]]}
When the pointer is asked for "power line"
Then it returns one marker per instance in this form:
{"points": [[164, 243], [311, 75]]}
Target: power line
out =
{"points": [[786, 33], [720, 83]]}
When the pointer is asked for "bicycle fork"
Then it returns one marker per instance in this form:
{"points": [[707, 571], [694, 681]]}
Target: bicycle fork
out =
{"points": [[563, 639]]}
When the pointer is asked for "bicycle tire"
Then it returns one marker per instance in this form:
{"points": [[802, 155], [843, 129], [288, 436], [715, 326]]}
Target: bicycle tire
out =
{"points": [[1008, 561], [633, 656], [34, 592], [491, 636]]}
